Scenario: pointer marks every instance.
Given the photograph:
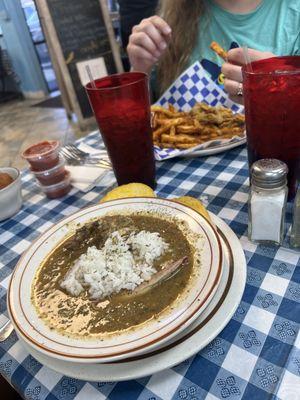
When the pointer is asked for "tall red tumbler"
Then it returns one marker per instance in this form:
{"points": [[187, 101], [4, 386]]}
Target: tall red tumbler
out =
{"points": [[272, 108], [121, 104]]}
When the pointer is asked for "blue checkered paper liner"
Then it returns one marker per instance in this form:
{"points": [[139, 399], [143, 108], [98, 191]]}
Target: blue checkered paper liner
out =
{"points": [[255, 357], [193, 86]]}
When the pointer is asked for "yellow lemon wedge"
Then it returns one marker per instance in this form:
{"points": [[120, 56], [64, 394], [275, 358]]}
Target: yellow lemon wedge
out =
{"points": [[194, 204], [129, 190]]}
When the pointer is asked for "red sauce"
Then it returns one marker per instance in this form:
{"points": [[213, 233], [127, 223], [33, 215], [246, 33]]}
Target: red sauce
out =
{"points": [[54, 194], [52, 178], [39, 149], [60, 189], [43, 155]]}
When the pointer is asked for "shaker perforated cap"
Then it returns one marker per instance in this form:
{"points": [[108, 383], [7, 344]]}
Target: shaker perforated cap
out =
{"points": [[269, 173]]}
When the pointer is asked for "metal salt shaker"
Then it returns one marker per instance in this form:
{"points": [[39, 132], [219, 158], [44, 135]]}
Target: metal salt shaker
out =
{"points": [[267, 201]]}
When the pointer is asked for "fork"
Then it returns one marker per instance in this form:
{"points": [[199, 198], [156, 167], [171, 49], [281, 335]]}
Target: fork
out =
{"points": [[75, 160], [72, 152], [71, 148], [84, 159], [91, 160], [6, 330]]}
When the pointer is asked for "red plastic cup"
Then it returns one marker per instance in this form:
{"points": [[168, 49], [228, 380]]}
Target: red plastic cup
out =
{"points": [[121, 104], [272, 106], [43, 155]]}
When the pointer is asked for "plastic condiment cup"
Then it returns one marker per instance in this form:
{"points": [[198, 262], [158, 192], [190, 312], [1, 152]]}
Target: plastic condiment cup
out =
{"points": [[53, 175], [43, 155], [59, 189]]}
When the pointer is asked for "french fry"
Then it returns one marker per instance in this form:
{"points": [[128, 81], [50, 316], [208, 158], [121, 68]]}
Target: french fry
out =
{"points": [[172, 108], [230, 132], [154, 117], [188, 129], [166, 112], [178, 139], [165, 126], [157, 134], [177, 121], [219, 50], [163, 121]]}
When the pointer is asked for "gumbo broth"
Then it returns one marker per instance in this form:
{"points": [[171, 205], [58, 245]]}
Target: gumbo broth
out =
{"points": [[82, 317]]}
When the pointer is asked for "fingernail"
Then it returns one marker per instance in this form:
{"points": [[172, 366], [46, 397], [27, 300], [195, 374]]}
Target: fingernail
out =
{"points": [[163, 45], [167, 30]]}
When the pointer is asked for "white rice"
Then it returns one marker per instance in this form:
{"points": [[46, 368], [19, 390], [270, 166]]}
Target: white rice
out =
{"points": [[122, 263]]}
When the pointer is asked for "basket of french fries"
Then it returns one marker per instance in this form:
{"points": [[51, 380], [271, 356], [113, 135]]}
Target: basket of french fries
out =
{"points": [[195, 115], [204, 123]]}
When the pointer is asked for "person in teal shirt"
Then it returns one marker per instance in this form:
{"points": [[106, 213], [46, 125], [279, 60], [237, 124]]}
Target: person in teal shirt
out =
{"points": [[183, 32]]}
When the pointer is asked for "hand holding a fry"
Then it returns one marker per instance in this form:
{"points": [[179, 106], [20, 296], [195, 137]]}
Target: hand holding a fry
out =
{"points": [[147, 43], [232, 70]]}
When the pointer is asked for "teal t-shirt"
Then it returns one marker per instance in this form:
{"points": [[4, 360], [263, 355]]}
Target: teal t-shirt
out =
{"points": [[273, 26]]}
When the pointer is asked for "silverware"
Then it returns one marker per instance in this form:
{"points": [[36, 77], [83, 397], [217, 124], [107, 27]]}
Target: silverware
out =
{"points": [[76, 149], [6, 330], [73, 159], [75, 152]]}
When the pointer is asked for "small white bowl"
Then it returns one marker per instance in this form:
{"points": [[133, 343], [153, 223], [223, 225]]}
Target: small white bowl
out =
{"points": [[10, 196]]}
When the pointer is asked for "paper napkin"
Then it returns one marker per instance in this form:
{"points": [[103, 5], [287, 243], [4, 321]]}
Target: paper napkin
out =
{"points": [[85, 178]]}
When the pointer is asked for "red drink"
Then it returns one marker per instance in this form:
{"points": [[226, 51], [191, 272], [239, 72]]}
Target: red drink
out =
{"points": [[272, 107], [121, 105]]}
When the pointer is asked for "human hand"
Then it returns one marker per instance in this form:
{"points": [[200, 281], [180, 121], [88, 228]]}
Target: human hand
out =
{"points": [[232, 70], [147, 43]]}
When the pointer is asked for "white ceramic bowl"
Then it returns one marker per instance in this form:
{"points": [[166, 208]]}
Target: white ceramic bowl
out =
{"points": [[193, 301], [186, 344], [10, 196]]}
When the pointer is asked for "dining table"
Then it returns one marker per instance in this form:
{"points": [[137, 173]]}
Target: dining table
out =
{"points": [[256, 356]]}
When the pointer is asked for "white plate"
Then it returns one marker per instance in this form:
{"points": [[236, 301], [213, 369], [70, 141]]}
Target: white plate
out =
{"points": [[207, 151], [193, 339], [220, 148], [190, 305]]}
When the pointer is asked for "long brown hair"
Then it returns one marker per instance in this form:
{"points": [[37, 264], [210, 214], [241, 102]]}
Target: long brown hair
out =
{"points": [[183, 17]]}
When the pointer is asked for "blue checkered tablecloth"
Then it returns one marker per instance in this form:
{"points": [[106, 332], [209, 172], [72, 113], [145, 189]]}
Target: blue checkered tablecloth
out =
{"points": [[257, 355]]}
